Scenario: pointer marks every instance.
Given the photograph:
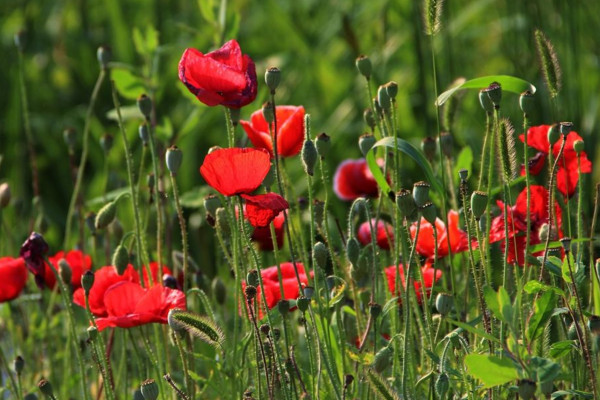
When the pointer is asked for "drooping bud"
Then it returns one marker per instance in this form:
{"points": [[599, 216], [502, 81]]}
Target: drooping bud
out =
{"points": [[318, 211], [405, 202], [320, 253], [4, 195], [106, 215], [446, 144], [553, 134], [383, 359], [526, 102], [252, 278], [144, 104], [429, 212], [364, 66], [494, 91], [323, 143], [365, 143], [46, 388], [526, 389], [64, 270], [429, 148], [120, 259], [478, 203], [442, 385], [173, 158], [384, 99], [144, 133], [211, 204], [104, 56], [268, 112], [352, 250], [149, 389], [219, 290], [421, 193], [369, 118], [578, 146], [392, 89], [19, 364], [309, 157], [106, 142], [444, 303], [272, 78], [486, 102], [87, 281]]}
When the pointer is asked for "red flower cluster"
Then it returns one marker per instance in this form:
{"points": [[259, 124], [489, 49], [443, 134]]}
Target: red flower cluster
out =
{"points": [[78, 262], [567, 175], [290, 130], [383, 231], [353, 179], [13, 277], [222, 77], [517, 222], [426, 243], [428, 278]]}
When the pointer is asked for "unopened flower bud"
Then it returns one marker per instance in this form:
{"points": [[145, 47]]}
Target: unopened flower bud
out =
{"points": [[566, 128], [384, 99], [92, 332], [64, 270], [578, 146], [144, 133], [303, 303], [494, 91], [149, 389], [173, 158], [323, 143], [526, 102], [309, 157], [272, 78], [442, 385], [106, 142], [221, 221], [211, 204], [486, 102], [383, 359], [363, 64], [478, 203], [252, 278], [70, 138], [444, 303], [19, 364], [120, 259], [106, 215], [87, 281], [352, 250], [268, 112], [421, 193], [4, 195], [46, 388], [526, 389], [369, 118], [320, 253], [446, 144], [405, 202], [553, 134], [144, 104], [365, 143], [429, 212], [283, 306], [104, 56], [429, 148], [392, 89], [219, 290]]}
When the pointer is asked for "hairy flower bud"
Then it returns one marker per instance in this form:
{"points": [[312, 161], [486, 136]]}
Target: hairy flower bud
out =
{"points": [[352, 250], [478, 203], [309, 157], [268, 112], [364, 66], [120, 259], [369, 118], [383, 359], [320, 253], [87, 281], [444, 303], [578, 146], [252, 278], [106, 215]]}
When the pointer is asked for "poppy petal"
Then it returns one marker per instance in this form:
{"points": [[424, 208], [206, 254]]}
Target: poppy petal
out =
{"points": [[261, 209]]}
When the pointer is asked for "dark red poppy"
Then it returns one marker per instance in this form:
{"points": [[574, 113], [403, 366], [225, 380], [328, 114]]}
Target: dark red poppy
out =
{"points": [[222, 77], [33, 251], [78, 262], [353, 179], [428, 278], [128, 304], [235, 170], [517, 223], [13, 277], [426, 244], [261, 209], [263, 237], [290, 130], [568, 174], [384, 231]]}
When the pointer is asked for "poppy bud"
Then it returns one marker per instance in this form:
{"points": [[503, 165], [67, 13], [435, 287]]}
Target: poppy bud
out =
{"points": [[19, 39], [120, 259], [252, 278], [46, 388], [116, 230], [429, 148], [463, 174], [369, 118], [150, 181], [566, 244], [272, 78], [87, 281], [429, 212], [594, 325], [92, 332], [384, 99], [352, 250], [221, 221], [526, 102], [478, 203], [309, 157], [383, 359], [405, 202], [446, 143], [268, 112], [442, 385], [566, 128], [144, 104], [572, 332], [70, 138], [303, 303], [421, 193], [149, 389], [173, 158], [486, 102], [323, 143], [211, 204], [283, 306], [104, 56], [494, 91], [106, 215], [144, 133], [219, 290], [64, 270], [578, 146], [374, 309], [444, 303], [365, 143], [19, 364], [106, 142], [320, 253], [553, 134], [526, 389], [364, 66], [482, 223], [250, 292], [4, 195], [392, 89]]}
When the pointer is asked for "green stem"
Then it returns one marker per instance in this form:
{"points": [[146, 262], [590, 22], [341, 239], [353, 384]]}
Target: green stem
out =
{"points": [[158, 201], [184, 238]]}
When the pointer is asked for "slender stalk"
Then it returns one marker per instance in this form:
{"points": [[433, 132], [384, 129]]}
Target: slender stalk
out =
{"points": [[14, 384], [104, 362], [158, 202], [184, 237], [171, 383], [528, 189]]}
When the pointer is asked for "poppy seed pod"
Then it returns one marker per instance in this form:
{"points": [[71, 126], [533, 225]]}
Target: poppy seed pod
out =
{"points": [[144, 104], [19, 364], [392, 89], [486, 102], [303, 303], [173, 158], [444, 303], [323, 143], [478, 203], [566, 244], [120, 259], [252, 278], [65, 272], [383, 359], [268, 112], [494, 91], [4, 195], [144, 133], [46, 388], [283, 306], [250, 292], [578, 146], [149, 389], [364, 66], [104, 56], [219, 290], [405, 202], [352, 250], [526, 389], [421, 193], [272, 78], [442, 385], [463, 174], [429, 148], [320, 254], [106, 142], [369, 118], [553, 134], [106, 215], [384, 99], [87, 281], [375, 309], [526, 102], [365, 143], [429, 212], [92, 332], [211, 204], [566, 128], [446, 143], [70, 138], [309, 157]]}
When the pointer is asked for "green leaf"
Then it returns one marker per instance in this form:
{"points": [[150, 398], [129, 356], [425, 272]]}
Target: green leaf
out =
{"points": [[337, 293], [473, 330], [491, 370], [544, 369], [128, 85], [579, 393], [542, 313], [508, 83], [533, 287], [561, 349], [566, 274], [195, 197], [463, 161]]}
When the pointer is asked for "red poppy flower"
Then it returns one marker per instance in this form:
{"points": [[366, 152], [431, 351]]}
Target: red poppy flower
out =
{"points": [[428, 278], [222, 77], [426, 242], [262, 208], [156, 277], [128, 304], [263, 237], [33, 251], [13, 276], [384, 230], [78, 262], [517, 223], [353, 179], [567, 175], [290, 130], [235, 170]]}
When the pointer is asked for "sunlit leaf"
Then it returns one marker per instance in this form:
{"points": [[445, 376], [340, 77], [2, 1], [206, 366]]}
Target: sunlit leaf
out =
{"points": [[491, 370], [508, 83]]}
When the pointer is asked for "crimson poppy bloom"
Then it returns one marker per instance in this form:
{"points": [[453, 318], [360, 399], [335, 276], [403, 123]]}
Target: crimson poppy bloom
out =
{"points": [[78, 262], [263, 208], [290, 130], [426, 244], [235, 170], [568, 174], [128, 304], [262, 236], [353, 179], [13, 277], [384, 230], [517, 223], [222, 77], [428, 278]]}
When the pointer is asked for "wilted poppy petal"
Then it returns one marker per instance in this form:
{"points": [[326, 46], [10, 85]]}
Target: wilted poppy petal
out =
{"points": [[261, 209], [33, 251]]}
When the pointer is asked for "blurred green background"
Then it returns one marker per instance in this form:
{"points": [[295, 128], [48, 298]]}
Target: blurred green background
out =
{"points": [[314, 43]]}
